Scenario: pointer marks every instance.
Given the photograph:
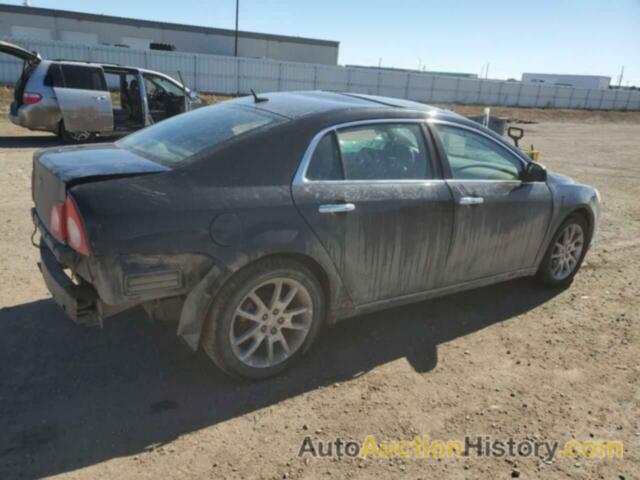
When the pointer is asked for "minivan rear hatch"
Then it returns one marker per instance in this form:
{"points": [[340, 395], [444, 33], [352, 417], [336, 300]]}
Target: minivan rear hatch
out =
{"points": [[30, 62], [21, 53]]}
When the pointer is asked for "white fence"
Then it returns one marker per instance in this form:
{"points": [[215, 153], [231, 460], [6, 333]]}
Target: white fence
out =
{"points": [[230, 75]]}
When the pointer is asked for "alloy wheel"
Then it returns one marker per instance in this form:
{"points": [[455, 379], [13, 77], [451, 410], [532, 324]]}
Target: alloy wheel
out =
{"points": [[567, 251], [80, 136], [271, 322]]}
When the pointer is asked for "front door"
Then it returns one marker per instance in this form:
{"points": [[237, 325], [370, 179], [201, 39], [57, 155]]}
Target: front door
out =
{"points": [[500, 221], [371, 195], [165, 98], [83, 98]]}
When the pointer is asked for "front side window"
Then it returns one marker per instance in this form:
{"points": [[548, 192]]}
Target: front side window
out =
{"points": [[372, 152], [154, 82], [174, 141], [474, 157]]}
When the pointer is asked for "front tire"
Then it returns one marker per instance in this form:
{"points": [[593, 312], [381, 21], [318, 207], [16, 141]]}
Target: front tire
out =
{"points": [[565, 253], [264, 319]]}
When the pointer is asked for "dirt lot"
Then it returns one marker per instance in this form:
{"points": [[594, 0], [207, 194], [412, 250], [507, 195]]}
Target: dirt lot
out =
{"points": [[512, 360]]}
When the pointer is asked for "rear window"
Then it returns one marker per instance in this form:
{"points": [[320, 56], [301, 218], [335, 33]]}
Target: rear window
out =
{"points": [[176, 140]]}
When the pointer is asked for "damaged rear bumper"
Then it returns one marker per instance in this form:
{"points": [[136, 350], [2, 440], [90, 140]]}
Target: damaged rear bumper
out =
{"points": [[78, 300], [91, 289]]}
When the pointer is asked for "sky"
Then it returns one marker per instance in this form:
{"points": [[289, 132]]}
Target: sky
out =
{"points": [[593, 37]]}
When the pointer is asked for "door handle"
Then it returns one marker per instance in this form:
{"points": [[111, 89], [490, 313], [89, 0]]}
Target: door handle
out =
{"points": [[471, 200], [100, 98], [337, 208]]}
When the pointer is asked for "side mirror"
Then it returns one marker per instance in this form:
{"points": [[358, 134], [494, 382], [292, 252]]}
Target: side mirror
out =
{"points": [[534, 172], [193, 95]]}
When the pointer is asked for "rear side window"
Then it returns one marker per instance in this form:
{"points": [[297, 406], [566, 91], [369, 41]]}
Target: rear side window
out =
{"points": [[325, 163], [77, 77], [384, 152]]}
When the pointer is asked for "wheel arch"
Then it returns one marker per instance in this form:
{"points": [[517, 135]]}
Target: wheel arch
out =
{"points": [[588, 216], [197, 303]]}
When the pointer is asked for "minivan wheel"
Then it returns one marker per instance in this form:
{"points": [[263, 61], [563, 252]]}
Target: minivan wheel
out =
{"points": [[74, 137], [264, 319], [565, 253]]}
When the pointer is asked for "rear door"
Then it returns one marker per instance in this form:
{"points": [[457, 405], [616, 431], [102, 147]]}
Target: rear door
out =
{"points": [[372, 194], [500, 221], [83, 98]]}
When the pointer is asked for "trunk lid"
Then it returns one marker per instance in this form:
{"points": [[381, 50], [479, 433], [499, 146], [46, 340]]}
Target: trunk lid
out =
{"points": [[57, 170]]}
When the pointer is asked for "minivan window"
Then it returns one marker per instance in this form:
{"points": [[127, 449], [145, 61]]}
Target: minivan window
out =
{"points": [[163, 83], [83, 78], [175, 141], [384, 152], [54, 76]]}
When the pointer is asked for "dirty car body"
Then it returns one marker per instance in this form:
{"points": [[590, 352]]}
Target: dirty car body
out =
{"points": [[375, 196], [81, 99]]}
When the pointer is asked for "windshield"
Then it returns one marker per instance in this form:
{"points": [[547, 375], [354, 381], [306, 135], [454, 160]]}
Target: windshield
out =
{"points": [[174, 141]]}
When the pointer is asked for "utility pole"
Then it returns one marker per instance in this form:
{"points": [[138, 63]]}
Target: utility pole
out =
{"points": [[235, 47], [620, 77]]}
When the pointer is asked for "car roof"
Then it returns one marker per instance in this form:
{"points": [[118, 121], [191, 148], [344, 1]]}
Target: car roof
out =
{"points": [[294, 105], [324, 109]]}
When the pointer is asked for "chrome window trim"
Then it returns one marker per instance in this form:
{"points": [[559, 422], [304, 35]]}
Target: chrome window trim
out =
{"points": [[524, 162], [301, 174]]}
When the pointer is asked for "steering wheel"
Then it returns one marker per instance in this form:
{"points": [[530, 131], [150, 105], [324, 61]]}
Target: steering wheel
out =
{"points": [[158, 94]]}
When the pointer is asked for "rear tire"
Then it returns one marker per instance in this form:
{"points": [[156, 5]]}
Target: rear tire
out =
{"points": [[566, 251], [75, 137], [261, 338]]}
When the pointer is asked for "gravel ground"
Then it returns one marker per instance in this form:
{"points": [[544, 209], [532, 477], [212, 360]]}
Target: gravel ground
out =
{"points": [[511, 360]]}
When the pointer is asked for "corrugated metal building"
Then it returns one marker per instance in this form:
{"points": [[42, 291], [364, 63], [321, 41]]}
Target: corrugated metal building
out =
{"points": [[89, 29], [410, 70], [576, 81]]}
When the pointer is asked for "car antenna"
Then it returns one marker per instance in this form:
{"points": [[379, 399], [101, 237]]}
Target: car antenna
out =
{"points": [[258, 99]]}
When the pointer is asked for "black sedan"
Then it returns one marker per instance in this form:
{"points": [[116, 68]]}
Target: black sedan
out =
{"points": [[255, 222]]}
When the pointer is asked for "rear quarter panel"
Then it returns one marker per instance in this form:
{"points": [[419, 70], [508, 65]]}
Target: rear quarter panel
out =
{"points": [[234, 208]]}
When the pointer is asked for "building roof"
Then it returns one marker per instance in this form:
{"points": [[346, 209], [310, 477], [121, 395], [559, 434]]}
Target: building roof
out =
{"points": [[161, 25], [411, 70], [565, 75]]}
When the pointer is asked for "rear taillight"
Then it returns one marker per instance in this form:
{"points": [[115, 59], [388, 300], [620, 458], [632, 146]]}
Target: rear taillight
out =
{"points": [[76, 236], [57, 222], [31, 98], [66, 225]]}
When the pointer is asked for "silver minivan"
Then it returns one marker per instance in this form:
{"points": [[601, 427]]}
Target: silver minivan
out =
{"points": [[80, 100]]}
